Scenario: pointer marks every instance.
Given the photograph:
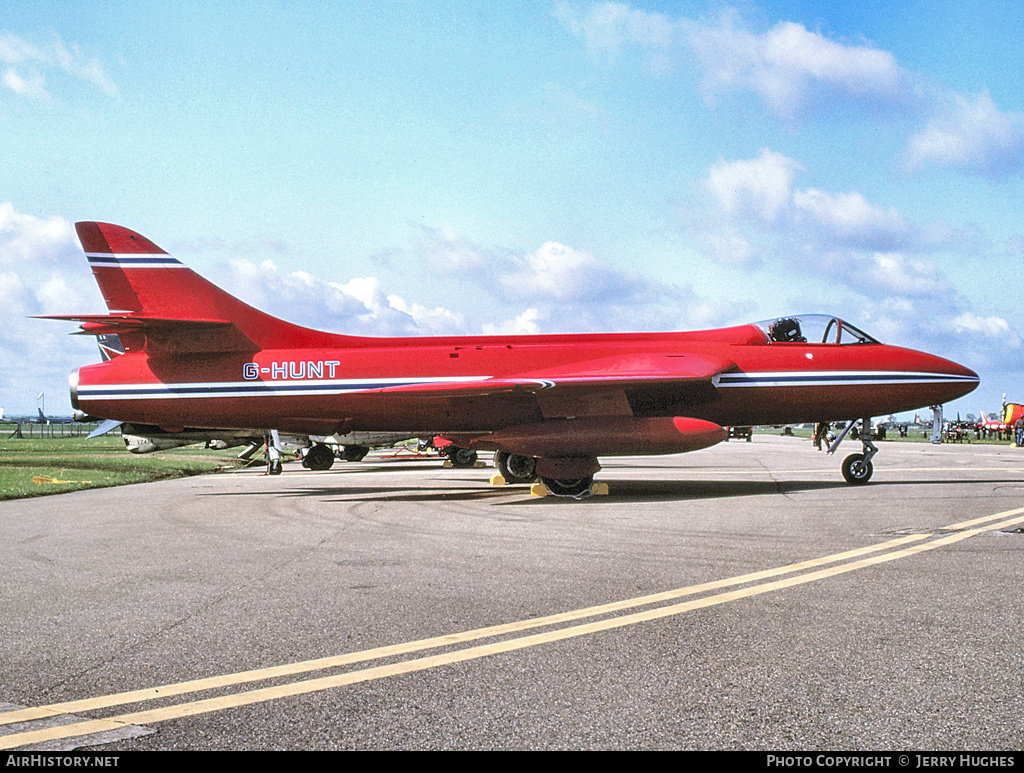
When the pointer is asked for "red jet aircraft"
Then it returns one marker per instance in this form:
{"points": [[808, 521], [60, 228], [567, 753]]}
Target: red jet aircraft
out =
{"points": [[549, 406]]}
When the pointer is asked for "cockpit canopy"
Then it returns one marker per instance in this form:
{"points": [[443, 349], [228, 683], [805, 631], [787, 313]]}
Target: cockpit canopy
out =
{"points": [[813, 329]]}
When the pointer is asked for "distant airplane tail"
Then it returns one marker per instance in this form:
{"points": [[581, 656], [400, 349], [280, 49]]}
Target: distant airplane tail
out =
{"points": [[988, 421], [158, 303]]}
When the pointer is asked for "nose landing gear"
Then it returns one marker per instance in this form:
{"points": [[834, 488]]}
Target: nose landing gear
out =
{"points": [[857, 468]]}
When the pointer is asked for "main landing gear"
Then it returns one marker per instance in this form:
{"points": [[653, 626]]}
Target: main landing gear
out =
{"points": [[318, 457], [561, 476], [576, 488], [460, 457], [857, 468], [567, 476], [516, 468]]}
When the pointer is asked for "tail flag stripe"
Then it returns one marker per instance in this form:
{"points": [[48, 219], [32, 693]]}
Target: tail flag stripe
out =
{"points": [[134, 260]]}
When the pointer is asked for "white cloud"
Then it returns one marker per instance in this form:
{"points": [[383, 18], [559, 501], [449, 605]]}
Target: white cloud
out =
{"points": [[28, 240], [12, 294], [443, 250], [564, 289], [57, 296], [864, 258], [794, 71], [562, 274], [356, 307], [895, 275], [608, 27], [759, 195], [526, 323], [798, 73], [431, 321], [730, 249], [27, 62], [32, 85], [42, 271], [849, 219], [973, 136], [989, 327], [761, 188]]}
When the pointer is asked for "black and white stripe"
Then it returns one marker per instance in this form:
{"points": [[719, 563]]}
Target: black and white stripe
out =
{"points": [[283, 388], [135, 260], [836, 378]]}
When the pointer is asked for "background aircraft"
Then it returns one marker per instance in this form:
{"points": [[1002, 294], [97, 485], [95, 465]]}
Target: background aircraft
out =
{"points": [[987, 424], [195, 356], [1012, 412]]}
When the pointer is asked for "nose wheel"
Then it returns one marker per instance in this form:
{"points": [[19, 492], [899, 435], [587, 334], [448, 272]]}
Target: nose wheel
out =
{"points": [[857, 468]]}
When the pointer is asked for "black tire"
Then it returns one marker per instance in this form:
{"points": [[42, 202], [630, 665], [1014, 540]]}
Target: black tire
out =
{"points": [[319, 457], [275, 467], [516, 468], [857, 470], [568, 487], [355, 453], [462, 457]]}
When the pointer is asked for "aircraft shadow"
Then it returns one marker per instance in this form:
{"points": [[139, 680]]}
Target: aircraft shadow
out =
{"points": [[518, 495], [632, 490], [680, 490]]}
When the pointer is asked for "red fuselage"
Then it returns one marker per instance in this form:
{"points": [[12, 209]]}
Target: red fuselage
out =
{"points": [[388, 385]]}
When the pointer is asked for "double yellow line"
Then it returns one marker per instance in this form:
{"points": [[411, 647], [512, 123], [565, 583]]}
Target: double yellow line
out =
{"points": [[605, 618]]}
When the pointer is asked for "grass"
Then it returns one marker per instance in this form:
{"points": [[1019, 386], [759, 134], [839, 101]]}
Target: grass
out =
{"points": [[36, 467]]}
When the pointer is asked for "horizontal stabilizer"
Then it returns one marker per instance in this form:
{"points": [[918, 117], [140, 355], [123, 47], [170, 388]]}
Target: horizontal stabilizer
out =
{"points": [[96, 324], [104, 428]]}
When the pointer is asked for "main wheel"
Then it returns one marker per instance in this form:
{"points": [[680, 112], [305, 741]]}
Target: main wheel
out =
{"points": [[319, 457], [355, 453], [462, 457], [568, 487], [856, 469], [516, 468]]}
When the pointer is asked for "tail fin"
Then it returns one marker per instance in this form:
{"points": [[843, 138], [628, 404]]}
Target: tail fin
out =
{"points": [[157, 302]]}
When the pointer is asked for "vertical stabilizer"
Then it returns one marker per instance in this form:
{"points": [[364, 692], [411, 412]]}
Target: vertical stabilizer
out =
{"points": [[156, 301]]}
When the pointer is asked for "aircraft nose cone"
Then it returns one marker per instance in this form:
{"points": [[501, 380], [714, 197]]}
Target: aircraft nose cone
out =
{"points": [[957, 381]]}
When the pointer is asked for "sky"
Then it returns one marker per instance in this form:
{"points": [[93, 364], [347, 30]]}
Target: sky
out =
{"points": [[404, 168]]}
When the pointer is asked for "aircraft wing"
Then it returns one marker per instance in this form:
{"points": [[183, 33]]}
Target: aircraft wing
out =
{"points": [[603, 387], [635, 370]]}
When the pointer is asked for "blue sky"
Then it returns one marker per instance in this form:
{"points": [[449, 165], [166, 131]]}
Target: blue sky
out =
{"points": [[466, 167]]}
